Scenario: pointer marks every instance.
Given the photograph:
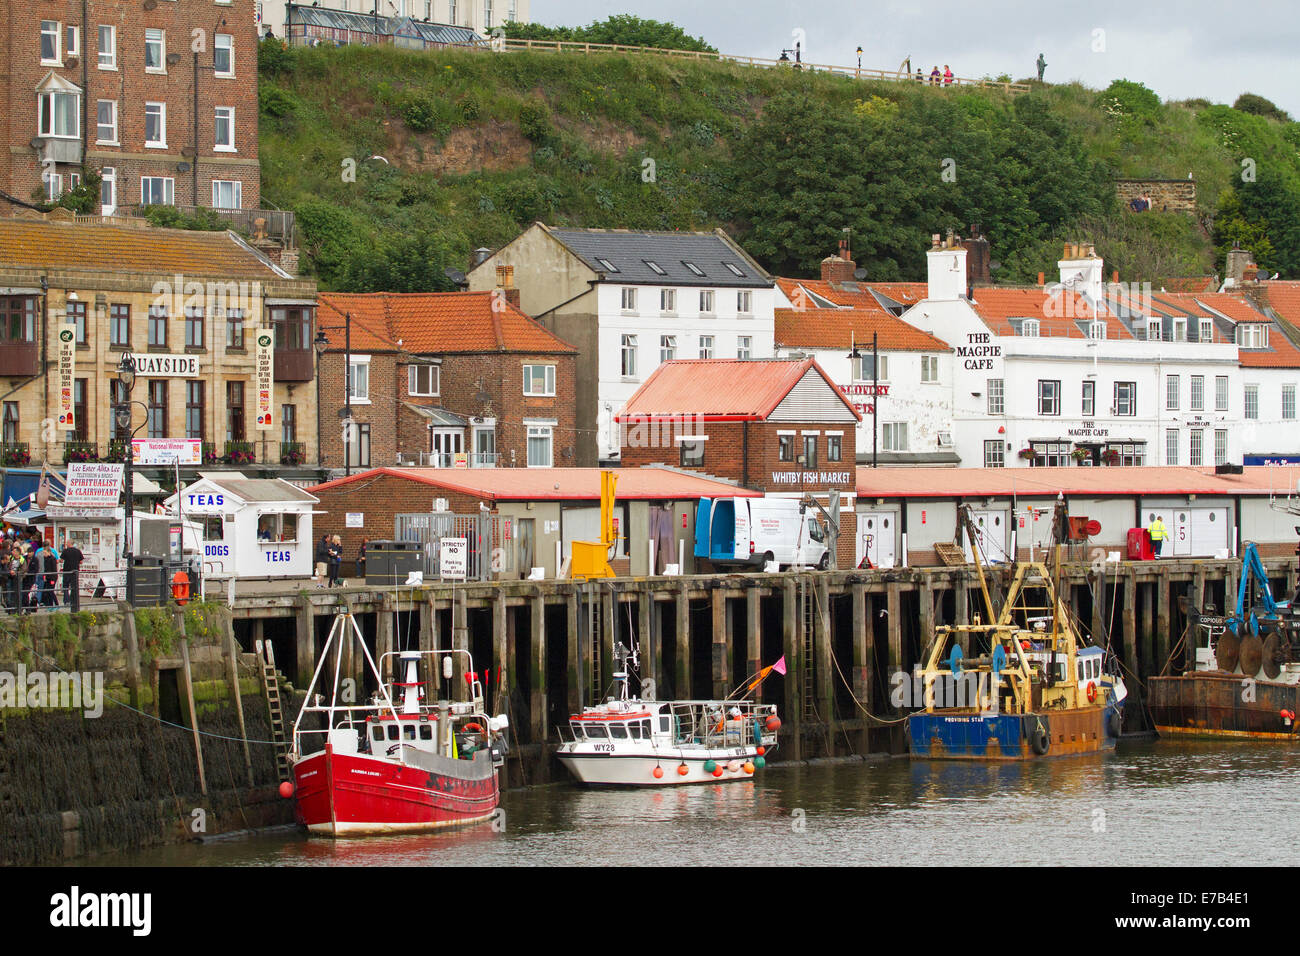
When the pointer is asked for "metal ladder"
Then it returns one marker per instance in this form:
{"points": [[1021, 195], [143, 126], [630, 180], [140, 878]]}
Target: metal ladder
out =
{"points": [[808, 622], [271, 687]]}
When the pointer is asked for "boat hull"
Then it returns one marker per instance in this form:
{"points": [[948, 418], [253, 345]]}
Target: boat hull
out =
{"points": [[1211, 704], [637, 770], [970, 735], [340, 795]]}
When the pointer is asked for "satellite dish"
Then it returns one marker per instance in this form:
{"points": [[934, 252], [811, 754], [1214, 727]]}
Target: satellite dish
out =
{"points": [[182, 167], [859, 273], [150, 4], [173, 59]]}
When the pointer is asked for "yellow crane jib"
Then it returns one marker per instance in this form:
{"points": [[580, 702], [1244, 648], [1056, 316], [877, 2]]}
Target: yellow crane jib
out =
{"points": [[590, 559]]}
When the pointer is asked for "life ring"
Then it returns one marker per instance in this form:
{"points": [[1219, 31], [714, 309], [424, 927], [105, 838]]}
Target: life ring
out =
{"points": [[1092, 692], [1040, 740], [181, 587], [473, 727]]}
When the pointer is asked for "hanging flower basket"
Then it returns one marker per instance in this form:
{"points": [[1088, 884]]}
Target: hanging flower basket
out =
{"points": [[1028, 454], [295, 457], [1111, 457], [1081, 454]]}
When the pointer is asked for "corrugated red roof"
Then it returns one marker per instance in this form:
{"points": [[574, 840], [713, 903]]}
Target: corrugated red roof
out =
{"points": [[722, 389], [1150, 480], [553, 484], [843, 328], [445, 322]]}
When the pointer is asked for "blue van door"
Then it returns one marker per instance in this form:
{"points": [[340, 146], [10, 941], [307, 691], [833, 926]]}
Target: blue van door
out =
{"points": [[703, 513]]}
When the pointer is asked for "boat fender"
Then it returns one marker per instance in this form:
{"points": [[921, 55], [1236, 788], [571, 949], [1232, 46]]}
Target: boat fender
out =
{"points": [[758, 732], [1113, 724], [1040, 740], [1092, 692], [473, 727]]}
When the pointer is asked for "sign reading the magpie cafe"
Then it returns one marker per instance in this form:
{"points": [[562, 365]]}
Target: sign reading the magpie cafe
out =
{"points": [[150, 365]]}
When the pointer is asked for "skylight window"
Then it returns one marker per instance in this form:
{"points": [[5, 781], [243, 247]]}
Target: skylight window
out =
{"points": [[658, 270], [607, 265], [735, 269], [694, 268]]}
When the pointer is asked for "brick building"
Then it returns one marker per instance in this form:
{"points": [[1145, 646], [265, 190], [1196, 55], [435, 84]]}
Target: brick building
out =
{"points": [[776, 426], [457, 379], [160, 97], [187, 305]]}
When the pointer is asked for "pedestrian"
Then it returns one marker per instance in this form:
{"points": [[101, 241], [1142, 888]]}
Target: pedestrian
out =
{"points": [[17, 569], [29, 576], [935, 75], [1042, 65], [920, 77], [947, 75], [322, 559], [361, 559], [1158, 535], [72, 558], [49, 577], [335, 561]]}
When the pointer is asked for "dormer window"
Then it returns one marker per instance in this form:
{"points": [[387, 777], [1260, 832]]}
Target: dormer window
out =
{"points": [[1096, 330], [655, 267], [1029, 328], [1252, 335], [1154, 330]]}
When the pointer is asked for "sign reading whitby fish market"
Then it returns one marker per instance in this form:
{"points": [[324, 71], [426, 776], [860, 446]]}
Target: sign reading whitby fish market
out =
{"points": [[157, 365]]}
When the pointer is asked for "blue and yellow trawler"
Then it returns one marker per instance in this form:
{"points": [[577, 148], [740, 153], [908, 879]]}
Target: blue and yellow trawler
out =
{"points": [[1021, 686]]}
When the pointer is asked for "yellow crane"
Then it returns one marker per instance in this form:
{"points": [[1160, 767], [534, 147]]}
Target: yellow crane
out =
{"points": [[590, 559]]}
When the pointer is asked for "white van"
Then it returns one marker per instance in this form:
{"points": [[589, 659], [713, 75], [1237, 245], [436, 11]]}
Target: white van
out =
{"points": [[754, 531]]}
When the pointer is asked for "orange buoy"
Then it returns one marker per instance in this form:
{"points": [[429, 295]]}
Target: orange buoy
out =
{"points": [[181, 587], [749, 767], [717, 771], [683, 770], [761, 751], [773, 723], [658, 772], [286, 789]]}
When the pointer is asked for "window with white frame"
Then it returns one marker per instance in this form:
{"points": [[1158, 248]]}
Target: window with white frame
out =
{"points": [[1220, 393], [539, 379], [155, 51], [1171, 446], [157, 191], [1198, 393], [629, 356], [629, 299], [227, 194], [1096, 330], [223, 130], [1088, 405], [50, 30], [359, 378], [224, 55], [1179, 328], [1126, 398], [1029, 328], [834, 447], [1155, 330], [107, 47], [1288, 402], [107, 191], [1220, 446], [53, 185], [1206, 330], [893, 436], [106, 119], [540, 442], [995, 454], [1049, 397], [744, 346], [422, 380], [1252, 335], [929, 368], [1173, 393], [1252, 402], [706, 346], [1196, 447], [996, 397], [667, 348], [73, 36], [745, 302], [60, 114], [667, 300], [867, 368], [692, 452], [1050, 454], [155, 125], [706, 301]]}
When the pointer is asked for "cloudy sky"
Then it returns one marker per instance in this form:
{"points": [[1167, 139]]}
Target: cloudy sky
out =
{"points": [[1215, 50]]}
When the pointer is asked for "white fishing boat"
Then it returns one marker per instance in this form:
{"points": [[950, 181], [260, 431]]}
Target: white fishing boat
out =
{"points": [[639, 742]]}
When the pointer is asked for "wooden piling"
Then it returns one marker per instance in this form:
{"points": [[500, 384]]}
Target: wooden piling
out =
{"points": [[305, 638], [537, 668], [574, 671], [721, 678], [179, 617], [683, 676], [824, 675], [861, 662], [501, 650], [1162, 623], [1129, 618], [793, 707], [894, 616], [645, 633], [753, 633], [231, 655]]}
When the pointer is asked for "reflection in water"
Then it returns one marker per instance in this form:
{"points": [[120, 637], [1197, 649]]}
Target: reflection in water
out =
{"points": [[1147, 804]]}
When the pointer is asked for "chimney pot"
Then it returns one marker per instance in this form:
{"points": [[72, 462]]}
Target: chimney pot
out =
{"points": [[1042, 278]]}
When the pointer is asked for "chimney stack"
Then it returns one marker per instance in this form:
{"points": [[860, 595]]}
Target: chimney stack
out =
{"points": [[839, 267], [506, 282], [946, 269], [1238, 261], [977, 259]]}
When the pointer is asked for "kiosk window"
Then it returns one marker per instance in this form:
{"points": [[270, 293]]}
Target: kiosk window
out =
{"points": [[275, 527], [214, 528], [288, 527]]}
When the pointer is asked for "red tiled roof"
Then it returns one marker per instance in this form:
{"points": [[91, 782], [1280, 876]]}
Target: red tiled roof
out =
{"points": [[1190, 284], [553, 484], [1058, 312], [843, 328], [1043, 482], [854, 295], [1282, 351], [722, 389], [444, 322]]}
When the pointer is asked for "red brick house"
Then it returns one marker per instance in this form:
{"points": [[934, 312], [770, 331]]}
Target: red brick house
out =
{"points": [[160, 97], [454, 379]]}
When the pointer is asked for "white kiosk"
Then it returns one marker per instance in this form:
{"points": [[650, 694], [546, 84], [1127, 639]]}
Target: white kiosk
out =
{"points": [[252, 527]]}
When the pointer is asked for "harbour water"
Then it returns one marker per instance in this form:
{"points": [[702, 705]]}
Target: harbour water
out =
{"points": [[1150, 803]]}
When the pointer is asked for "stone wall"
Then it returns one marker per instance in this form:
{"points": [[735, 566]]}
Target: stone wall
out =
{"points": [[1166, 195]]}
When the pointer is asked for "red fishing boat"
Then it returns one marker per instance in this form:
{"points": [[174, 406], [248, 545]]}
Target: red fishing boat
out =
{"points": [[396, 764]]}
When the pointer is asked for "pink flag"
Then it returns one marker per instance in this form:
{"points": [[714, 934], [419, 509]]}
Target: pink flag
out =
{"points": [[779, 666]]}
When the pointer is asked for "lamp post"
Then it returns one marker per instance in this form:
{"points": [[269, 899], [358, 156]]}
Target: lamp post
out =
{"points": [[320, 343], [126, 370], [875, 388], [347, 394], [859, 61]]}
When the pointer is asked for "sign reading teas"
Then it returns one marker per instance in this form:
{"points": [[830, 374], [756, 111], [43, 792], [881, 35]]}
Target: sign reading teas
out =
{"points": [[149, 365]]}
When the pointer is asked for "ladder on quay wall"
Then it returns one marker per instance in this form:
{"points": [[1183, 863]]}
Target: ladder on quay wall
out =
{"points": [[808, 630], [594, 604], [271, 687]]}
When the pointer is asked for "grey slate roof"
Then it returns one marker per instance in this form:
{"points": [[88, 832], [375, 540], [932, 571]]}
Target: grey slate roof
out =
{"points": [[386, 26], [262, 489], [628, 253]]}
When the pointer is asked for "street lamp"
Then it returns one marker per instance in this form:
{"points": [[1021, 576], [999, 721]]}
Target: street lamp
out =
{"points": [[875, 389], [321, 343], [126, 372], [859, 60]]}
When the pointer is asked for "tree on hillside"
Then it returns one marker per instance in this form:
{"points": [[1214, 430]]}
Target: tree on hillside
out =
{"points": [[1253, 103], [623, 29]]}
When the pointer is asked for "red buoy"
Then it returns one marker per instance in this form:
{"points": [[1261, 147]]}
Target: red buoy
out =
{"points": [[762, 750], [658, 772], [717, 771], [286, 789], [773, 723], [683, 770]]}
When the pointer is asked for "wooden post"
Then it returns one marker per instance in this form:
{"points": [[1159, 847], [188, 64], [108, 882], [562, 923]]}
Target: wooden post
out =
{"points": [[501, 648], [1100, 631], [305, 638], [385, 637], [646, 638], [132, 653], [719, 637], [753, 634], [609, 610], [232, 679], [459, 642], [962, 607], [1162, 621], [429, 642], [684, 684], [179, 616], [927, 614], [1198, 602], [861, 662], [1130, 634], [792, 712], [1146, 641], [537, 668], [574, 670], [894, 616]]}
